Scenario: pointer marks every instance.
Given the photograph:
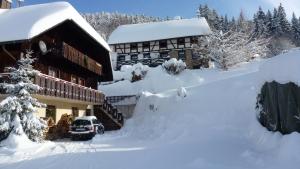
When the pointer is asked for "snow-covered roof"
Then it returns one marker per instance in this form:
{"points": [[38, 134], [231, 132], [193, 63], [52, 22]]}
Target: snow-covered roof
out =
{"points": [[159, 30], [30, 21]]}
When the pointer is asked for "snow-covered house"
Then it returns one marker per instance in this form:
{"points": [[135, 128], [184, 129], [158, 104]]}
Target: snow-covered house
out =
{"points": [[152, 43], [71, 56]]}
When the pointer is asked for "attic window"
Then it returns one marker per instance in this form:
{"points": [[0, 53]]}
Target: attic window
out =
{"points": [[163, 44], [181, 41], [146, 46], [133, 46]]}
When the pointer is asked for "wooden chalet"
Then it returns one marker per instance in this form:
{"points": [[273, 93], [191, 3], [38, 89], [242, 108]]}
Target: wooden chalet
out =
{"points": [[153, 43], [71, 56]]}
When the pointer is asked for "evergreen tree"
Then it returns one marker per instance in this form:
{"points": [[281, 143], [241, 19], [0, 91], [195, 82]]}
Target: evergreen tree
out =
{"points": [[232, 24], [259, 23], [268, 23], [295, 30], [226, 24], [241, 22], [276, 27], [17, 110], [284, 23]]}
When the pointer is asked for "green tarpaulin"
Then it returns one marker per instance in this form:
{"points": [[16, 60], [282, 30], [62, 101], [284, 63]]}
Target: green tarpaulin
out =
{"points": [[279, 107]]}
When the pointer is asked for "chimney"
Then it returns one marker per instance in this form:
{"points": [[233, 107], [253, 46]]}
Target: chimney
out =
{"points": [[5, 4]]}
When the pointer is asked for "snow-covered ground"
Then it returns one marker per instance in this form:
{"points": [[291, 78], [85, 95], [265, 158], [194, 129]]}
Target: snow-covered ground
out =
{"points": [[213, 127]]}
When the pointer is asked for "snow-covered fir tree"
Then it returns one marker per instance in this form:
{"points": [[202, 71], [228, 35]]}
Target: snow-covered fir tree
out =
{"points": [[295, 29], [282, 22], [268, 24], [105, 23], [17, 110], [259, 23]]}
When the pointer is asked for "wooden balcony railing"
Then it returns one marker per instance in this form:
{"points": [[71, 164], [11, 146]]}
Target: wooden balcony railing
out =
{"points": [[75, 56], [51, 86]]}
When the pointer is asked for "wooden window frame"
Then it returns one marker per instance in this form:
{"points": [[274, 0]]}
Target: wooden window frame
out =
{"points": [[81, 81], [184, 53], [74, 77], [51, 114]]}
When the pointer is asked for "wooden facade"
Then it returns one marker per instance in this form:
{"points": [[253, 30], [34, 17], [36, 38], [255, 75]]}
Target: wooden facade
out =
{"points": [[72, 56], [5, 4], [153, 53], [71, 68]]}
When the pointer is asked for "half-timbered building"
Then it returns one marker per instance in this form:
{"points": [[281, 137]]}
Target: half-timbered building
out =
{"points": [[71, 56], [153, 43]]}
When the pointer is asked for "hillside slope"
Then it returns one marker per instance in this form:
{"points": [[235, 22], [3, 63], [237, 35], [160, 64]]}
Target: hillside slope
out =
{"points": [[213, 127]]}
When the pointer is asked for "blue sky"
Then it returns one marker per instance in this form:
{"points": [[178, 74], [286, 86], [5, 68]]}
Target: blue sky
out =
{"points": [[171, 8]]}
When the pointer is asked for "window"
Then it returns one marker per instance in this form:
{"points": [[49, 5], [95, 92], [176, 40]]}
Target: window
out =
{"points": [[81, 122], [194, 40], [147, 56], [51, 112], [181, 41], [163, 44], [53, 72], [81, 81], [146, 46], [88, 112], [133, 46], [121, 58], [134, 57], [75, 112], [164, 54], [73, 79], [181, 55]]}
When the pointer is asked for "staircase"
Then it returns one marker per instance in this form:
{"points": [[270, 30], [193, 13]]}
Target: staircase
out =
{"points": [[109, 116]]}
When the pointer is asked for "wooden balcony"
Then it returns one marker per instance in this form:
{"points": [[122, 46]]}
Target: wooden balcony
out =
{"points": [[72, 54], [51, 86]]}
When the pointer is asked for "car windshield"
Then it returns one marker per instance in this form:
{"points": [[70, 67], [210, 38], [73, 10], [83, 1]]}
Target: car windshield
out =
{"points": [[81, 123]]}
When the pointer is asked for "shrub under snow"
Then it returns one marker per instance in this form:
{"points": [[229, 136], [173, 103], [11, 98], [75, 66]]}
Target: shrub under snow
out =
{"points": [[17, 110], [135, 72], [174, 66]]}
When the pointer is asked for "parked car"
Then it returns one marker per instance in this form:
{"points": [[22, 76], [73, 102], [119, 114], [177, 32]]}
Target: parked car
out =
{"points": [[85, 127]]}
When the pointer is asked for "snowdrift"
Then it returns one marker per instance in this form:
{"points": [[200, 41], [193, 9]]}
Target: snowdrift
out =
{"points": [[218, 116], [197, 119]]}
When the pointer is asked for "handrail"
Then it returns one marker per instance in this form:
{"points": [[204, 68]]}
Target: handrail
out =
{"points": [[52, 86]]}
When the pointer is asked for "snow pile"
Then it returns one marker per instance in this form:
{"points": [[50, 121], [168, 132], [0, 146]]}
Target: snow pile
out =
{"points": [[174, 66], [15, 141], [131, 72], [214, 127], [283, 68]]}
